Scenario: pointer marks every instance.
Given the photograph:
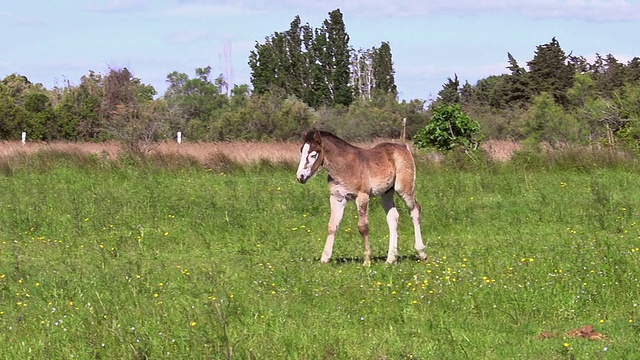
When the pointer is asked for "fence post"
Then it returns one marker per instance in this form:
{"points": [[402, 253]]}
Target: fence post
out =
{"points": [[24, 137], [179, 137]]}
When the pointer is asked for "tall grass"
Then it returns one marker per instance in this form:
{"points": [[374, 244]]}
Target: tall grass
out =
{"points": [[139, 258]]}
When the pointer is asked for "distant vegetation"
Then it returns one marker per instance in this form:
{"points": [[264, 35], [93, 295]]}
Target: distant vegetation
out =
{"points": [[306, 76]]}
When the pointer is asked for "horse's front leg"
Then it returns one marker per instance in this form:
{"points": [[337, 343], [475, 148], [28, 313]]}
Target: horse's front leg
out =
{"points": [[338, 203], [362, 202]]}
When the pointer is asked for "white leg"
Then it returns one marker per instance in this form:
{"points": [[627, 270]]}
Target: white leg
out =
{"points": [[392, 220], [415, 217], [337, 211]]}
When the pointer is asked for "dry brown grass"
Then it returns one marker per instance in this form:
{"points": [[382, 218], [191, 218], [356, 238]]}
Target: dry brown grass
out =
{"points": [[9, 149], [501, 150], [239, 152]]}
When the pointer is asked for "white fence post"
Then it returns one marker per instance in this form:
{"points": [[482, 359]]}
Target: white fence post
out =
{"points": [[179, 137], [24, 137]]}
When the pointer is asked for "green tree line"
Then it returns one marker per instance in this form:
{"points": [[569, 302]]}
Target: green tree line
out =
{"points": [[306, 76], [558, 99]]}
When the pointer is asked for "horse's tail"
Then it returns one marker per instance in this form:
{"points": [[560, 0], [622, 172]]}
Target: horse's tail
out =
{"points": [[404, 130]]}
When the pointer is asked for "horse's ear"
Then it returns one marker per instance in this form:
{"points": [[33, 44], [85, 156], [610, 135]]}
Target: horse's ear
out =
{"points": [[317, 137]]}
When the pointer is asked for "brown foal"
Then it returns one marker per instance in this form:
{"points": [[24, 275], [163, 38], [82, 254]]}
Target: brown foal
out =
{"points": [[358, 174]]}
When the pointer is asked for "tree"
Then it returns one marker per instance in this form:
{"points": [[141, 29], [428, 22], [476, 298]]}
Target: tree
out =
{"points": [[609, 74], [491, 91], [41, 121], [450, 94], [312, 64], [294, 60], [16, 86], [263, 67], [547, 122], [195, 104], [27, 107], [579, 63], [335, 61], [78, 110], [383, 73], [629, 104], [549, 72], [12, 116], [316, 89], [362, 76], [372, 72], [517, 84], [302, 62], [128, 113], [633, 71]]}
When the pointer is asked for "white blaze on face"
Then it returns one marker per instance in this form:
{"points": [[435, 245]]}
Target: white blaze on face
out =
{"points": [[307, 159]]}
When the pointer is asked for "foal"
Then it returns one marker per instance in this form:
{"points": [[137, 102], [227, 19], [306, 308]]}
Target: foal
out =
{"points": [[357, 174]]}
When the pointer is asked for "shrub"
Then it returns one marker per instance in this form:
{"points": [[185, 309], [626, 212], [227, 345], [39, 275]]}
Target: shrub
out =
{"points": [[449, 128]]}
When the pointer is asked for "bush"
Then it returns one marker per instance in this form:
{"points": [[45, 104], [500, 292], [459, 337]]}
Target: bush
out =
{"points": [[449, 128]]}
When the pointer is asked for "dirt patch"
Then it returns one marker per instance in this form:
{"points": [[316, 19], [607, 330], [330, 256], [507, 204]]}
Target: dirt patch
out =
{"points": [[586, 332]]}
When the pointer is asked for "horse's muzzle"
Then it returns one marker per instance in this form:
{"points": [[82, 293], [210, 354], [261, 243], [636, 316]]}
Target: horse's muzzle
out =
{"points": [[302, 179]]}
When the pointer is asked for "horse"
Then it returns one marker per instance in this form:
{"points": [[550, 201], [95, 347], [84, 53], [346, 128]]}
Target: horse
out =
{"points": [[356, 174]]}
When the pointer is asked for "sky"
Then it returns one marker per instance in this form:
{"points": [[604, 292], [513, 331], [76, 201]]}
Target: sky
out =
{"points": [[55, 43]]}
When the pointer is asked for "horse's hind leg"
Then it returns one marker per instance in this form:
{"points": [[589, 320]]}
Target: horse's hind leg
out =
{"points": [[416, 214], [416, 211], [405, 186], [337, 211], [392, 220]]}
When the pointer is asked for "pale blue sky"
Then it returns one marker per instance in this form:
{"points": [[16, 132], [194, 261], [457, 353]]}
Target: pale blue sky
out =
{"points": [[52, 42]]}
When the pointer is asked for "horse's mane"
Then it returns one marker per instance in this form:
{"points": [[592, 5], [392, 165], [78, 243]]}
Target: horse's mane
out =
{"points": [[326, 135]]}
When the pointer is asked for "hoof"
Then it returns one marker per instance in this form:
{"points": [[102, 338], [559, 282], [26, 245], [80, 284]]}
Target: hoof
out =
{"points": [[325, 258], [367, 263], [422, 254]]}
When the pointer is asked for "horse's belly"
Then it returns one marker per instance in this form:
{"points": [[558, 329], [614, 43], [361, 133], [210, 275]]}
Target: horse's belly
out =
{"points": [[381, 186]]}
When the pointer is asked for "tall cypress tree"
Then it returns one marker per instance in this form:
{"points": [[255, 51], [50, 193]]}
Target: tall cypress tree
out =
{"points": [[262, 62], [383, 72], [294, 68], [312, 65], [336, 60], [315, 88]]}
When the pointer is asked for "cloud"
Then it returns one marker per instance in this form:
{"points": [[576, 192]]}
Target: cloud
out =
{"points": [[119, 6], [586, 10]]}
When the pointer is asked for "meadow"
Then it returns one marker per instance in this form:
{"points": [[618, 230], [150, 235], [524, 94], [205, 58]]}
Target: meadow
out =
{"points": [[173, 256]]}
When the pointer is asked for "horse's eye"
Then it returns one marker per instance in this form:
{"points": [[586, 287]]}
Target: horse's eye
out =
{"points": [[314, 155]]}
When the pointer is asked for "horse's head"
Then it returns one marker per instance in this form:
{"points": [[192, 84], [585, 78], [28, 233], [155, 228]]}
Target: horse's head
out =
{"points": [[311, 157]]}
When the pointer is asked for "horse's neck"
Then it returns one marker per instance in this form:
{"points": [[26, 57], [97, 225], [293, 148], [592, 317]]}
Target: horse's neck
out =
{"points": [[335, 160]]}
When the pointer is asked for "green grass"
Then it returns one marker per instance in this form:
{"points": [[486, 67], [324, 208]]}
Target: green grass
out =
{"points": [[113, 260]]}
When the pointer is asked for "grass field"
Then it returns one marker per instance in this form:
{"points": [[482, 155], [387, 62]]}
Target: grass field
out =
{"points": [[110, 259]]}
